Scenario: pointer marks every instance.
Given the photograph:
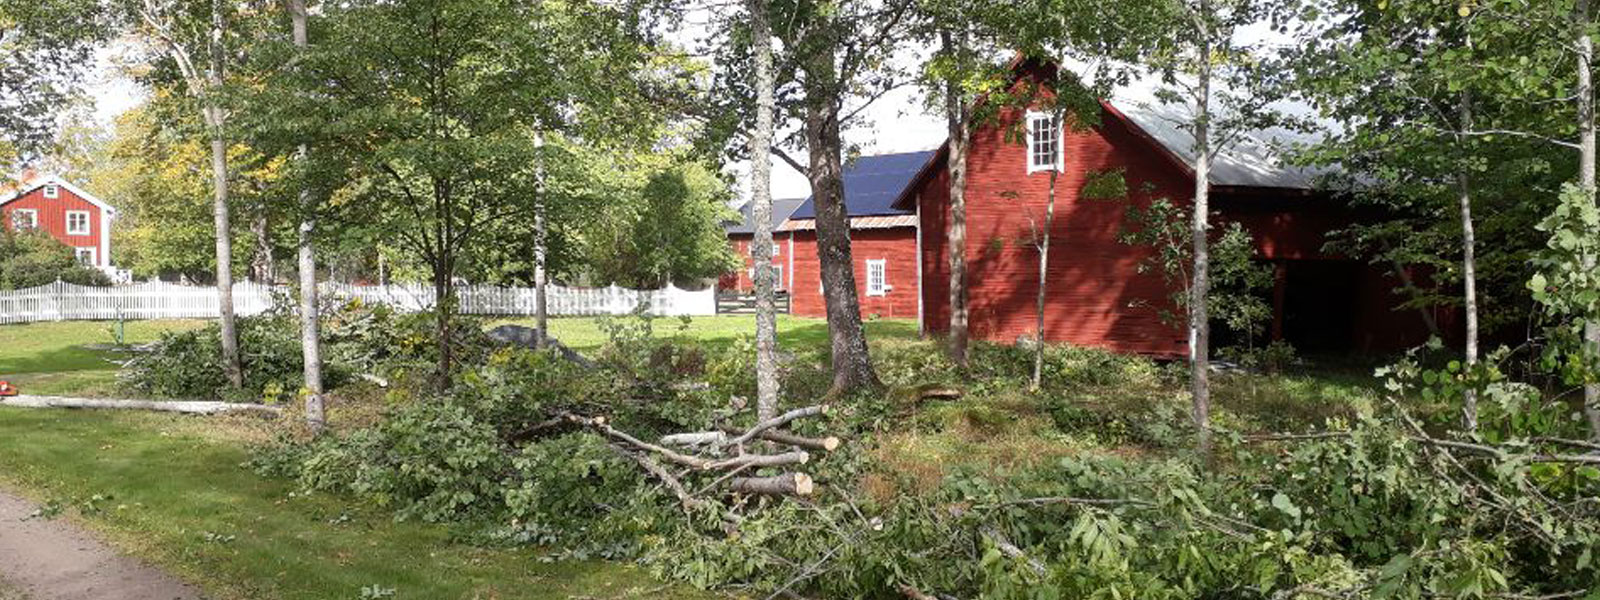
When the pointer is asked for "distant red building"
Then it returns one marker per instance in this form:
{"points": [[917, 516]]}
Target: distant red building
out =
{"points": [[741, 234], [69, 214], [1096, 292], [883, 241]]}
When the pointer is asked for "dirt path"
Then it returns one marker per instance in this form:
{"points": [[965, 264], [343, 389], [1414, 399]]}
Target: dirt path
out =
{"points": [[56, 560]]}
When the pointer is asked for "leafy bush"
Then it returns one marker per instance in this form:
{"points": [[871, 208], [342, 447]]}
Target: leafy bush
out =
{"points": [[357, 338], [188, 364], [431, 460], [33, 258]]}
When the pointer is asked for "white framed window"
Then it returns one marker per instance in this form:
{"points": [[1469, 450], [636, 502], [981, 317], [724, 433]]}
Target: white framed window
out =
{"points": [[77, 222], [86, 256], [877, 277], [24, 218], [1044, 142], [52, 191]]}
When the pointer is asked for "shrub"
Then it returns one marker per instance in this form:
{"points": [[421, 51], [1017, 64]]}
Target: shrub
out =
{"points": [[33, 258], [188, 364], [430, 460]]}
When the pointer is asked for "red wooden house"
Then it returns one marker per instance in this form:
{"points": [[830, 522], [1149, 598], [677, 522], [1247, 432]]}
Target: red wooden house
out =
{"points": [[71, 215], [1096, 292], [741, 234], [883, 240]]}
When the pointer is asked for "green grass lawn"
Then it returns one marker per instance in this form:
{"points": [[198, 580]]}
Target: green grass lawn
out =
{"points": [[587, 333], [172, 490], [56, 358]]}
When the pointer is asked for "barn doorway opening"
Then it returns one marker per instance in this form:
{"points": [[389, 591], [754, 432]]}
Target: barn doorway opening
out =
{"points": [[1316, 303]]}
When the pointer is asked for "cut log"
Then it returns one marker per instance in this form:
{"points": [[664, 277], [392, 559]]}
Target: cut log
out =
{"points": [[698, 438], [761, 460], [186, 407], [827, 444], [787, 484], [939, 394], [705, 464], [778, 421]]}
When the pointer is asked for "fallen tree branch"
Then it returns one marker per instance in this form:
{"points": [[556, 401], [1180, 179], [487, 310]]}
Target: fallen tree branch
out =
{"points": [[1476, 448], [778, 421], [786, 484], [599, 424], [797, 457], [177, 406], [827, 444], [694, 439], [1011, 550], [705, 464], [661, 473], [1051, 500]]}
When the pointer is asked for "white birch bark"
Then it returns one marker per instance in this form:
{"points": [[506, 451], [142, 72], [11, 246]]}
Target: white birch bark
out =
{"points": [[761, 214]]}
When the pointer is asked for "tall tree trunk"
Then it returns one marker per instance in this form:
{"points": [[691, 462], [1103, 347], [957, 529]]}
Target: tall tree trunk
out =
{"points": [[306, 264], [219, 184], [261, 264], [761, 198], [444, 307], [956, 116], [1200, 289], [1044, 272], [1469, 274], [1586, 180], [540, 248], [852, 366]]}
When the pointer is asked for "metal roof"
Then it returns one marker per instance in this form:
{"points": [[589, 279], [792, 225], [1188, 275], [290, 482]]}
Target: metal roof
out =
{"points": [[781, 209], [879, 222], [871, 184]]}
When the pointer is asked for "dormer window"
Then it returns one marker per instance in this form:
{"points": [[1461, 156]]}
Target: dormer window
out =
{"points": [[1044, 142], [52, 191]]}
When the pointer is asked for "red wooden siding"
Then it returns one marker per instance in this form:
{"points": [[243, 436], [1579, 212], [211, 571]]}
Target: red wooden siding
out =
{"points": [[52, 214], [1095, 294], [897, 247], [740, 279]]}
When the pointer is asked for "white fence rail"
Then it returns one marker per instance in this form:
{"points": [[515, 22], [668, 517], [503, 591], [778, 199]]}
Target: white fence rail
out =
{"points": [[68, 302]]}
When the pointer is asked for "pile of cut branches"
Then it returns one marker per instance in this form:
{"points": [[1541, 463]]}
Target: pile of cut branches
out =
{"points": [[732, 454]]}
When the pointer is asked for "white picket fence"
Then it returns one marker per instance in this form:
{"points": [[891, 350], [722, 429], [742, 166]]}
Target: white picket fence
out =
{"points": [[157, 300]]}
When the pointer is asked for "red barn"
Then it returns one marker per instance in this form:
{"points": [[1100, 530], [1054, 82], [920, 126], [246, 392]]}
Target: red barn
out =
{"points": [[1097, 294], [741, 234], [71, 215], [883, 240]]}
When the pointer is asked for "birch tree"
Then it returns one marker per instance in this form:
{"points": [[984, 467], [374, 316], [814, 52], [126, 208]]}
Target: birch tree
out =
{"points": [[200, 54], [1582, 25], [1441, 125], [761, 211], [306, 264], [1203, 52]]}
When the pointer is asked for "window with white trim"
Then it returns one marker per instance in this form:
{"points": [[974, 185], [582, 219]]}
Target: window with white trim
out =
{"points": [[1044, 142], [77, 222], [777, 278], [86, 256], [52, 191], [877, 277], [24, 218]]}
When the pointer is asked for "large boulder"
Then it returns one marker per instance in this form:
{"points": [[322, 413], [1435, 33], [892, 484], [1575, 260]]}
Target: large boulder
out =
{"points": [[528, 337]]}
